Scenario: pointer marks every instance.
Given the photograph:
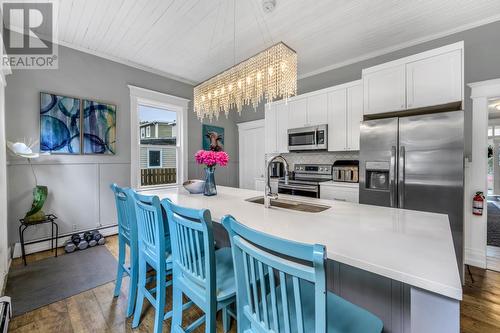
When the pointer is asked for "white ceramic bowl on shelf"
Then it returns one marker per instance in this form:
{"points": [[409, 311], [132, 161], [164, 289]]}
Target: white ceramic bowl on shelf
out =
{"points": [[194, 186]]}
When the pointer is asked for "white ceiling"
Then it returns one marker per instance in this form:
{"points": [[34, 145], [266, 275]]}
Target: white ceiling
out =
{"points": [[193, 39]]}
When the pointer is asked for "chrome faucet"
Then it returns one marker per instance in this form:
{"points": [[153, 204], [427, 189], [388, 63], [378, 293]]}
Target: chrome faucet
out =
{"points": [[268, 194]]}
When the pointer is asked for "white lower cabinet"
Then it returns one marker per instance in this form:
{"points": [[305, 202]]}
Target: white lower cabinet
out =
{"points": [[340, 192], [260, 185]]}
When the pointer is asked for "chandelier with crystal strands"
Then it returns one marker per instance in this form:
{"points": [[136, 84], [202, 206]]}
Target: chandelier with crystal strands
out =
{"points": [[270, 75]]}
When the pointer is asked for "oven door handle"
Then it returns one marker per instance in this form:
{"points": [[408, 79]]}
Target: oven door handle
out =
{"points": [[309, 188]]}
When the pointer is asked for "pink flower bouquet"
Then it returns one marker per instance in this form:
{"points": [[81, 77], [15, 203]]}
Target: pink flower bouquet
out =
{"points": [[212, 158]]}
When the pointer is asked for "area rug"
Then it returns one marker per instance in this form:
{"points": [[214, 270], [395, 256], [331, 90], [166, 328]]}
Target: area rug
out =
{"points": [[493, 234], [53, 279]]}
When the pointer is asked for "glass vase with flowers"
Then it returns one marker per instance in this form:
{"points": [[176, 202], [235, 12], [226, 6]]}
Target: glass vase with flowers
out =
{"points": [[211, 159]]}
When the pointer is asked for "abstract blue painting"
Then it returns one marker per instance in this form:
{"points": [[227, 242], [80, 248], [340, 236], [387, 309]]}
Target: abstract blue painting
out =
{"points": [[59, 124], [99, 128]]}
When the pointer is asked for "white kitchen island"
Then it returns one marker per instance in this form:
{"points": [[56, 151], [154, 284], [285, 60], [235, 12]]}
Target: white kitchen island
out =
{"points": [[399, 264]]}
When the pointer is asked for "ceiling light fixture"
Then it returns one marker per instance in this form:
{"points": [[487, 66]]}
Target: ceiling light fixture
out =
{"points": [[268, 75]]}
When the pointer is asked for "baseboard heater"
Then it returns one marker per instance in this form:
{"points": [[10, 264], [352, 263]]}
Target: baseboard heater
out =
{"points": [[5, 313]]}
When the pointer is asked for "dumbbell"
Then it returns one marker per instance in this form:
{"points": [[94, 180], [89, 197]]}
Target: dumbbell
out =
{"points": [[99, 238], [89, 237], [69, 246], [75, 238]]}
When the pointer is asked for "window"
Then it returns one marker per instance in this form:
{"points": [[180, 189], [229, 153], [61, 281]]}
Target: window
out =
{"points": [[143, 133], [154, 158], [159, 157]]}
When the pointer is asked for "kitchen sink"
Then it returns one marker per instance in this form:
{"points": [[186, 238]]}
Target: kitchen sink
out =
{"points": [[292, 204]]}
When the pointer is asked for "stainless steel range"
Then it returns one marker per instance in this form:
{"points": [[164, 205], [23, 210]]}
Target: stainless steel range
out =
{"points": [[306, 180]]}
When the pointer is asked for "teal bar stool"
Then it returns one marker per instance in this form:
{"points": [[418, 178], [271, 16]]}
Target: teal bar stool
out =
{"points": [[200, 272], [127, 236], [278, 294], [154, 251]]}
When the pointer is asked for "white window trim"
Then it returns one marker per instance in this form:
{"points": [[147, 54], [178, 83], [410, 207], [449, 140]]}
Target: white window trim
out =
{"points": [[142, 96], [148, 131], [161, 158], [143, 132]]}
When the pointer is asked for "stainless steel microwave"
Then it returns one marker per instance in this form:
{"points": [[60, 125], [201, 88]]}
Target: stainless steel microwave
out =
{"points": [[308, 138]]}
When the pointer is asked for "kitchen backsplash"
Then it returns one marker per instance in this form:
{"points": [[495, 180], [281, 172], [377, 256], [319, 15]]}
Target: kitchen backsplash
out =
{"points": [[318, 158]]}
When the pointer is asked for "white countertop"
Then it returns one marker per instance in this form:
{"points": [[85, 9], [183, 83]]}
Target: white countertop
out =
{"points": [[340, 184], [413, 247]]}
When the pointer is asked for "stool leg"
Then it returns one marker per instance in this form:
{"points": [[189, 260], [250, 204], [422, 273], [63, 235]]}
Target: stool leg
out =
{"points": [[226, 320], [21, 236], [132, 289], [160, 301], [141, 286], [57, 234], [120, 270], [51, 237], [176, 308]]}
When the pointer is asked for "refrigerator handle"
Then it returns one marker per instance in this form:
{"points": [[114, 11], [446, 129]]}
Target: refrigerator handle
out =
{"points": [[401, 177], [392, 177]]}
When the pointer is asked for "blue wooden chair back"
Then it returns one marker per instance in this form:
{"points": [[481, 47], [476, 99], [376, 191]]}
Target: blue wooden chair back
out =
{"points": [[193, 253], [259, 261], [151, 230], [127, 226]]}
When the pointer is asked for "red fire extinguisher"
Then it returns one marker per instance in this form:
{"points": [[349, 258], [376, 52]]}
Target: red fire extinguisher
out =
{"points": [[478, 204]]}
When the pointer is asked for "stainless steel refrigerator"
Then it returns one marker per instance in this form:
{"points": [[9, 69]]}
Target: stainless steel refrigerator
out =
{"points": [[417, 163]]}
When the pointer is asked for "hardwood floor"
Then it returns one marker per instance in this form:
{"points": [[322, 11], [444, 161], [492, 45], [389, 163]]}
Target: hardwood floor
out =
{"points": [[96, 310]]}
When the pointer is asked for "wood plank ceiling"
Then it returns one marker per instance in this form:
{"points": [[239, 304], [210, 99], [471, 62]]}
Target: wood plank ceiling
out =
{"points": [[193, 39]]}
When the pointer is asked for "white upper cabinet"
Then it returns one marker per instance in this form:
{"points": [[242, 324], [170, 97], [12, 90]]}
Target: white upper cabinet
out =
{"points": [[317, 109], [282, 127], [384, 90], [426, 79], [345, 113], [270, 129], [337, 121], [297, 113], [354, 115], [435, 80], [276, 127]]}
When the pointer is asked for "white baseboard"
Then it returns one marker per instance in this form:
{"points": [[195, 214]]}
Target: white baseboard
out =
{"points": [[45, 245], [475, 258], [3, 278]]}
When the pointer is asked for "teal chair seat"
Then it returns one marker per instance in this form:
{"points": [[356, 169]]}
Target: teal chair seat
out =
{"points": [[342, 316]]}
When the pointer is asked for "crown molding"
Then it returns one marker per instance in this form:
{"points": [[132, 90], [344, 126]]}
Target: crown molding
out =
{"points": [[400, 46]]}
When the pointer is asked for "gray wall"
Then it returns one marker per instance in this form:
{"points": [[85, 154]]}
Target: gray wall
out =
{"points": [[482, 62], [79, 185]]}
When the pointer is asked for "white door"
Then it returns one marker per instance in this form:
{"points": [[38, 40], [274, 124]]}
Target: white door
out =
{"points": [[282, 127], [270, 129], [317, 109], [385, 90], [251, 154], [297, 116], [337, 106], [354, 115], [435, 80]]}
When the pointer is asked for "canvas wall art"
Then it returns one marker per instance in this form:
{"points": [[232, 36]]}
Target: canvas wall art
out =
{"points": [[99, 128], [59, 124], [212, 137]]}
